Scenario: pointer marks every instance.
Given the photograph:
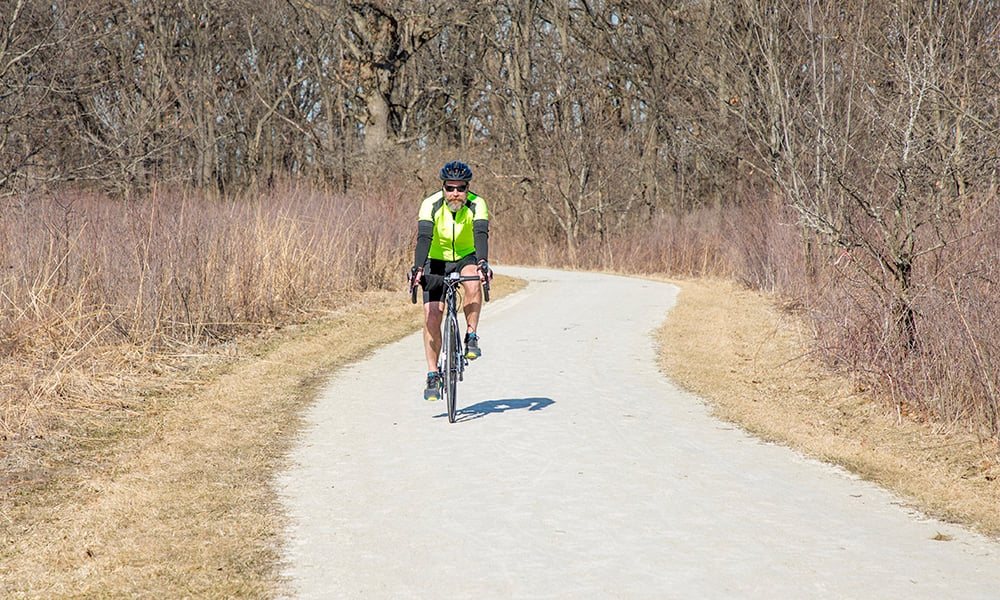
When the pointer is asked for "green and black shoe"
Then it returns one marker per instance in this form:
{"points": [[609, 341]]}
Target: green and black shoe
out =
{"points": [[433, 391], [472, 351]]}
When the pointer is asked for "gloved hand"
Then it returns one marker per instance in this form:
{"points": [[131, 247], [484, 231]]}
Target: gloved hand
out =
{"points": [[484, 268], [415, 275]]}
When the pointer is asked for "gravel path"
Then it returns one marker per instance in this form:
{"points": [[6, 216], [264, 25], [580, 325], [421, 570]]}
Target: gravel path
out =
{"points": [[576, 470]]}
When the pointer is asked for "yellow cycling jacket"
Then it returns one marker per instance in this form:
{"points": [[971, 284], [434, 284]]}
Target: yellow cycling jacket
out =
{"points": [[451, 236]]}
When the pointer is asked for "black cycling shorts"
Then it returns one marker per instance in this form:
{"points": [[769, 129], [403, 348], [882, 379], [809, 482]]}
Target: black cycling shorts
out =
{"points": [[434, 286]]}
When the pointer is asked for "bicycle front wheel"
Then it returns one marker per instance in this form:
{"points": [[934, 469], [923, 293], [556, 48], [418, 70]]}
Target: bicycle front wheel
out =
{"points": [[453, 352]]}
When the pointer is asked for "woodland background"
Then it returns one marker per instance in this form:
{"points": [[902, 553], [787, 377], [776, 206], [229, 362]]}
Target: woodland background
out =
{"points": [[177, 174]]}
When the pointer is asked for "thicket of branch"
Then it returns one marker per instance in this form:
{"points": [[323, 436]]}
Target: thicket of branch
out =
{"points": [[850, 149]]}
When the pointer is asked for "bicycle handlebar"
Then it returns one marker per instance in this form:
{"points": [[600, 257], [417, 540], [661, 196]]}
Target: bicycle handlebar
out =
{"points": [[453, 279]]}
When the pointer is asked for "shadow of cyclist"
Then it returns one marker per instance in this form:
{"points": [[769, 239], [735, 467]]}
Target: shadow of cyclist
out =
{"points": [[493, 407]]}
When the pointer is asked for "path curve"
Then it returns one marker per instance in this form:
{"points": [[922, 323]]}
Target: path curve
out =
{"points": [[576, 470]]}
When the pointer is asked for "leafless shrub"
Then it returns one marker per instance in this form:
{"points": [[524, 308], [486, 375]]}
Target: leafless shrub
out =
{"points": [[85, 278]]}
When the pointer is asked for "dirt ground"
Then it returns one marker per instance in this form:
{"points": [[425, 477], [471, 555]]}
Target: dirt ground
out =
{"points": [[177, 501]]}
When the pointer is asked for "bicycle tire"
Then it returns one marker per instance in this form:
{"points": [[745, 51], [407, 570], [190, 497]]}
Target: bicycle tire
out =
{"points": [[451, 367], [443, 361]]}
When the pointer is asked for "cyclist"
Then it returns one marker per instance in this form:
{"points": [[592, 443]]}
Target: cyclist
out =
{"points": [[452, 235]]}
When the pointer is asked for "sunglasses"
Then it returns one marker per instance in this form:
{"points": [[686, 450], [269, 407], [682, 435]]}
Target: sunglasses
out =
{"points": [[456, 188]]}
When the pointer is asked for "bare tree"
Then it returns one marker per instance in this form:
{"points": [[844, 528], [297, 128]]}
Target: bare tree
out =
{"points": [[34, 44], [897, 151], [380, 38], [861, 118]]}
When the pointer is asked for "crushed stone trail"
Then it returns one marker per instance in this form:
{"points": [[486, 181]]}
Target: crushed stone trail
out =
{"points": [[576, 470]]}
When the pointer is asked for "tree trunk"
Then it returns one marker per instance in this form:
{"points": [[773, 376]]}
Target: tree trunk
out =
{"points": [[377, 122]]}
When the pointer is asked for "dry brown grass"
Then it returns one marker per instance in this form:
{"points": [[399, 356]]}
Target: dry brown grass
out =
{"points": [[747, 358], [92, 285], [141, 421], [177, 502]]}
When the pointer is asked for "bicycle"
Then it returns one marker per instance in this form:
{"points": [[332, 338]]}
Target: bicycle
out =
{"points": [[451, 361]]}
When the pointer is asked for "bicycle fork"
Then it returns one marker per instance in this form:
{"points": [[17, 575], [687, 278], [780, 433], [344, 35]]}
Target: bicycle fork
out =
{"points": [[459, 360]]}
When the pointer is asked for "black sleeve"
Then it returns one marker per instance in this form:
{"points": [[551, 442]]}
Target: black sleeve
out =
{"points": [[425, 233], [481, 231]]}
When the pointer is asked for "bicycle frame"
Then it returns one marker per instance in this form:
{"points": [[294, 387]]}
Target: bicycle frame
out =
{"points": [[451, 359]]}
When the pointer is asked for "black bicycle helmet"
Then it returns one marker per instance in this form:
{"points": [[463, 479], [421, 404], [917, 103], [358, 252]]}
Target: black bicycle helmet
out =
{"points": [[456, 171]]}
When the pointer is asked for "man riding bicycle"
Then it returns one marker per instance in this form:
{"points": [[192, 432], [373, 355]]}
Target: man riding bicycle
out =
{"points": [[452, 235]]}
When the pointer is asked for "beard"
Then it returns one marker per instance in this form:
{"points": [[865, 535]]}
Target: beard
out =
{"points": [[456, 205]]}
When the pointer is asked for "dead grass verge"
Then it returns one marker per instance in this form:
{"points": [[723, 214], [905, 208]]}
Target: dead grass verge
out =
{"points": [[746, 357]]}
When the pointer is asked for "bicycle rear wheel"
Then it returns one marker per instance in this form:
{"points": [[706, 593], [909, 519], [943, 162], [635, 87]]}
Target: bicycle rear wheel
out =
{"points": [[453, 351]]}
